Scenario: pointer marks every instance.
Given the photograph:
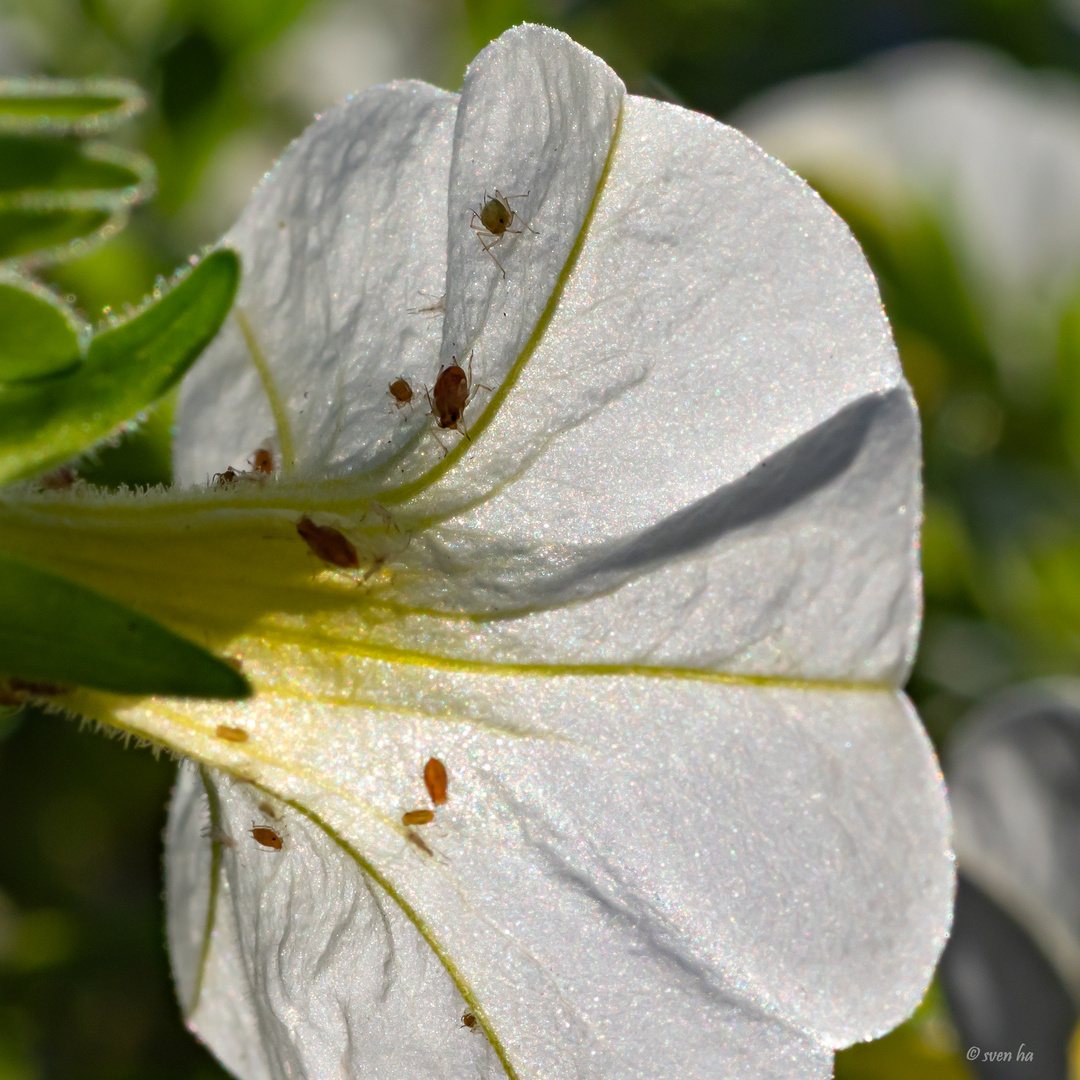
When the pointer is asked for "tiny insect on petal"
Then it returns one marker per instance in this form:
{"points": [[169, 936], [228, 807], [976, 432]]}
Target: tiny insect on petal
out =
{"points": [[450, 396], [469, 1021], [418, 817], [231, 734], [415, 839], [328, 543], [263, 462], [435, 780], [267, 837], [401, 392]]}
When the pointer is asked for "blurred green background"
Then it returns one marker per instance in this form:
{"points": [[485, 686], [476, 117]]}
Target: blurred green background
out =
{"points": [[84, 985]]}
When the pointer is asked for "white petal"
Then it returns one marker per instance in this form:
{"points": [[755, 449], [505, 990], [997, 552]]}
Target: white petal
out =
{"points": [[718, 313], [311, 969], [537, 116], [993, 149], [633, 870], [347, 233]]}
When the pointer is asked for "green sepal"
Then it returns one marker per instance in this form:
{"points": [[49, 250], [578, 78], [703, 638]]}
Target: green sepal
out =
{"points": [[60, 634], [44, 106], [127, 368], [39, 337]]}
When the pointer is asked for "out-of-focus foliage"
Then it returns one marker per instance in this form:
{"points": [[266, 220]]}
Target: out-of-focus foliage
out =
{"points": [[83, 983], [64, 386]]}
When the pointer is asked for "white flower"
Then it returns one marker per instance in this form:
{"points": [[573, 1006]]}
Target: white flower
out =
{"points": [[990, 151], [651, 614]]}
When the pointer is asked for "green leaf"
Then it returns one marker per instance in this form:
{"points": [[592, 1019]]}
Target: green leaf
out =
{"points": [[127, 368], [38, 337], [58, 196], [26, 231], [62, 165], [82, 107], [55, 632]]}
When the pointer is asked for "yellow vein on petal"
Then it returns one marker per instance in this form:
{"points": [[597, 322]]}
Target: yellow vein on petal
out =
{"points": [[349, 799], [415, 487], [211, 908], [422, 927], [277, 406], [390, 654]]}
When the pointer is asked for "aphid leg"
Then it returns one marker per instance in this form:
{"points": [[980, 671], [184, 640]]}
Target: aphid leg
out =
{"points": [[514, 215], [488, 247], [478, 229]]}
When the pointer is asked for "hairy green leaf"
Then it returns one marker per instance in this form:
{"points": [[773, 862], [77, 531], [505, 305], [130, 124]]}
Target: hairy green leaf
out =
{"points": [[55, 632], [38, 337], [65, 166], [50, 234], [127, 368], [81, 107]]}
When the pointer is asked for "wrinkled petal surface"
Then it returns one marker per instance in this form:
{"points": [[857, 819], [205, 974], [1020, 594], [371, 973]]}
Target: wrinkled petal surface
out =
{"points": [[651, 611]]}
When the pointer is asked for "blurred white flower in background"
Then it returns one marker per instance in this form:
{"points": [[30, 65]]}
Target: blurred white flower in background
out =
{"points": [[334, 49], [990, 150]]}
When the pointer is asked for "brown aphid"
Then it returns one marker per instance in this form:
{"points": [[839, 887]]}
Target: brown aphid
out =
{"points": [[267, 837], [38, 689], [450, 397], [401, 392], [231, 734], [418, 817], [435, 780], [328, 543], [60, 479], [495, 219], [469, 1021], [263, 462]]}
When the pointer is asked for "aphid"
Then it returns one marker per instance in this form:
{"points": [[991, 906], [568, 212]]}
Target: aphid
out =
{"points": [[418, 817], [328, 543], [231, 734], [438, 308], [224, 479], [219, 836], [267, 837], [263, 462], [496, 219], [60, 479], [451, 395], [401, 392], [469, 1021], [435, 780], [415, 839], [40, 689]]}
